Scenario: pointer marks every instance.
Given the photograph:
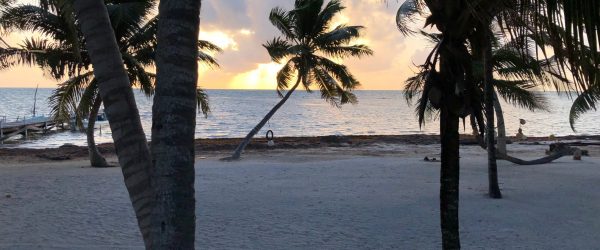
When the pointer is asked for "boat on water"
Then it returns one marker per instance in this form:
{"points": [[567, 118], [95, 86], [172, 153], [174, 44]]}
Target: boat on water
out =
{"points": [[100, 120]]}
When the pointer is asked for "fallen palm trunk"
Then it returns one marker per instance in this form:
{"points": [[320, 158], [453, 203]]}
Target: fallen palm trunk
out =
{"points": [[558, 151], [543, 160]]}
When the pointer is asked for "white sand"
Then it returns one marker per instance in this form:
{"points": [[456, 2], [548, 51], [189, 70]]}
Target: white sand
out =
{"points": [[317, 199]]}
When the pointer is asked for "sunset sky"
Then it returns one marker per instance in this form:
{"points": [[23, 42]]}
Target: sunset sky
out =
{"points": [[240, 27]]}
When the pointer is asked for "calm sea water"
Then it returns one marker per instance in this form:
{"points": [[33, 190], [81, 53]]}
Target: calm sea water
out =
{"points": [[235, 112]]}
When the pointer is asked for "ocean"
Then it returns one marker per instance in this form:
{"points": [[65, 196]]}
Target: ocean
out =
{"points": [[236, 112]]}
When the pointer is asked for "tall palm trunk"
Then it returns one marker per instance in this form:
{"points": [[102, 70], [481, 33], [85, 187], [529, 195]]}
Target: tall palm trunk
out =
{"points": [[96, 159], [450, 166], [120, 107], [174, 124], [501, 140], [238, 151], [494, 189]]}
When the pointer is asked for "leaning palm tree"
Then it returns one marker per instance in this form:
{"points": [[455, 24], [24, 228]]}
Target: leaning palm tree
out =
{"points": [[128, 134], [78, 95], [307, 43]]}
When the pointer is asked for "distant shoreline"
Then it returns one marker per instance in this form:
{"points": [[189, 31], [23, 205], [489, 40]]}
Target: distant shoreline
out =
{"points": [[225, 145]]}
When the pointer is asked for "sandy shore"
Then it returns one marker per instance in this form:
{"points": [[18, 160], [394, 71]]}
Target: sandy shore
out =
{"points": [[378, 196], [227, 145]]}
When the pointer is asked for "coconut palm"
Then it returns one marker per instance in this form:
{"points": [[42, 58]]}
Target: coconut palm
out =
{"points": [[452, 87], [136, 35], [115, 89], [174, 124], [307, 43], [571, 29], [164, 209], [517, 74]]}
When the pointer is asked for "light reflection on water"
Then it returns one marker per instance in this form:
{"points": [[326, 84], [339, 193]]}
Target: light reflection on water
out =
{"points": [[235, 112]]}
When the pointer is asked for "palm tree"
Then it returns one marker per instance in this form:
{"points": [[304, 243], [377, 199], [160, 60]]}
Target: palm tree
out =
{"points": [[162, 192], [174, 124], [517, 74], [452, 87], [571, 29], [306, 43], [119, 102], [136, 36]]}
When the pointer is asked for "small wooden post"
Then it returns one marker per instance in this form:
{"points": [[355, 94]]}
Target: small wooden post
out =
{"points": [[1, 134], [26, 136], [100, 129]]}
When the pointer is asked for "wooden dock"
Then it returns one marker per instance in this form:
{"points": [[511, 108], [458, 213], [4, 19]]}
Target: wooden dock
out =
{"points": [[24, 127]]}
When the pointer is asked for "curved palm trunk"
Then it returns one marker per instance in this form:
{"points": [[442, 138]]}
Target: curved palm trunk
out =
{"points": [[540, 161], [120, 107], [96, 159], [501, 140], [238, 151], [494, 189], [174, 124]]}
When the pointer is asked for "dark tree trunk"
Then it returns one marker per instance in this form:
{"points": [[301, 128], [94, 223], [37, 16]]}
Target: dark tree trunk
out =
{"points": [[501, 140], [450, 69], [240, 148], [494, 189], [544, 160], [120, 107], [449, 179], [174, 124], [96, 159]]}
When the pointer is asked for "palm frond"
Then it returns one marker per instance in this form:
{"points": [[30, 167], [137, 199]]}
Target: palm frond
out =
{"points": [[518, 93], [206, 58], [138, 76], [339, 36], [278, 49], [63, 101], [585, 102], [285, 75], [339, 72], [325, 18], [202, 101], [87, 99], [347, 51], [304, 17], [405, 15], [34, 19], [127, 17], [283, 21]]}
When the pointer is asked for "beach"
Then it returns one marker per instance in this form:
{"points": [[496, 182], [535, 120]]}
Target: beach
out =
{"points": [[339, 195]]}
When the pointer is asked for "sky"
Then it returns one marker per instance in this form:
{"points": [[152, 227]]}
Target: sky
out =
{"points": [[240, 27]]}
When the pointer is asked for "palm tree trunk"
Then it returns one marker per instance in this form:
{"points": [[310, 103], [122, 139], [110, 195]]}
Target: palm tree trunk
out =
{"points": [[540, 161], [501, 140], [449, 179], [494, 189], [238, 151], [120, 107], [174, 124], [449, 127], [96, 159]]}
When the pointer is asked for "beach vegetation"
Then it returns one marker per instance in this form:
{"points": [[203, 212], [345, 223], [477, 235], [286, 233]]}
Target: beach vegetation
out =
{"points": [[451, 79]]}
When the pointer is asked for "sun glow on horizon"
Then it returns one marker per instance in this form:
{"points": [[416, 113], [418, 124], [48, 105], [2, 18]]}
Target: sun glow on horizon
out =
{"points": [[262, 77]]}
